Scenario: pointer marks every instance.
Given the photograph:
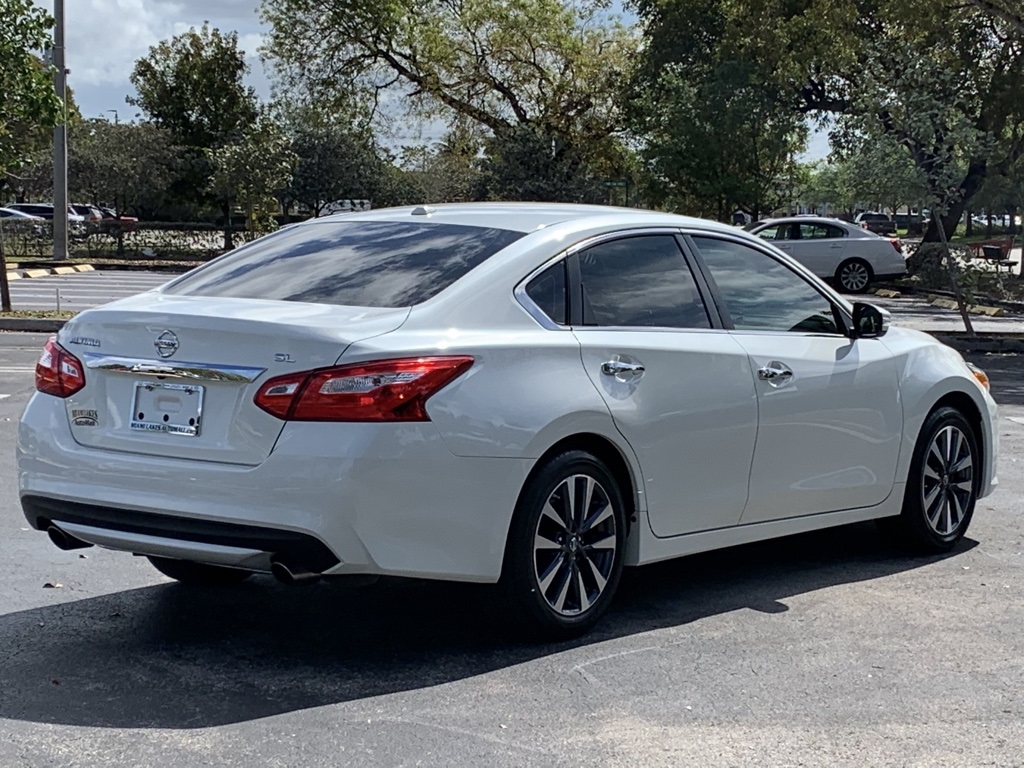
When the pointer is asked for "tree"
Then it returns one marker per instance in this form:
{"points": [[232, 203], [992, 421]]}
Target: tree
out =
{"points": [[449, 171], [333, 161], [27, 94], [192, 86], [523, 68], [127, 165], [250, 171], [716, 129], [870, 173], [874, 65]]}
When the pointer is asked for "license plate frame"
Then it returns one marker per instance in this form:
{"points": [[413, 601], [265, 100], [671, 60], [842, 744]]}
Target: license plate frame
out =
{"points": [[168, 408]]}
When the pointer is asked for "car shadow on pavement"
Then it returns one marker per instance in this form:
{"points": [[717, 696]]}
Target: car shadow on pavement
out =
{"points": [[171, 656]]}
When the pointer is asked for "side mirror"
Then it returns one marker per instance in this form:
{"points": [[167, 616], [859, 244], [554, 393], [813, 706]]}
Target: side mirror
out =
{"points": [[869, 321]]}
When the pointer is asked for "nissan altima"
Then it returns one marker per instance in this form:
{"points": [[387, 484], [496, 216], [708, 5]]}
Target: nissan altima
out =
{"points": [[530, 395]]}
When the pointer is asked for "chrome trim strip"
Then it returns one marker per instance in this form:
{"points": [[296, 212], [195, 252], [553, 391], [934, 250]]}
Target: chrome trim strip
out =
{"points": [[179, 370]]}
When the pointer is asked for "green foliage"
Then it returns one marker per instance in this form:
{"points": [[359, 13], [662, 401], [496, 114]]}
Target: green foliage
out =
{"points": [[717, 129], [252, 169], [126, 165], [335, 158], [28, 102], [540, 68], [192, 85], [449, 171], [875, 174]]}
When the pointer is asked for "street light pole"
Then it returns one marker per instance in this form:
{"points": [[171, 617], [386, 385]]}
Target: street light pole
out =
{"points": [[60, 141], [116, 122]]}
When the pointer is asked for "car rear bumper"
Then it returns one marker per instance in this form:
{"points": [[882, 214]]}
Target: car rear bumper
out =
{"points": [[345, 498]]}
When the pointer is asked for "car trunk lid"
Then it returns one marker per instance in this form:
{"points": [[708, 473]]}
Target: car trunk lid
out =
{"points": [[175, 376]]}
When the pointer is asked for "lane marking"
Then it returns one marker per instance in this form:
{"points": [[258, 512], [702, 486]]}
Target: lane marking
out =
{"points": [[4, 397]]}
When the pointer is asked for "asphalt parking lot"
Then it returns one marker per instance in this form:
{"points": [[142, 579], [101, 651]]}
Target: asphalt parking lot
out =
{"points": [[821, 649]]}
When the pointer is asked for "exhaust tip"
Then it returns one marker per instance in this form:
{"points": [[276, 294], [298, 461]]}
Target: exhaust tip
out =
{"points": [[292, 574], [64, 540]]}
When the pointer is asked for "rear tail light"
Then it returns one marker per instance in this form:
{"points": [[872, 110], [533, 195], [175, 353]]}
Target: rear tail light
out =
{"points": [[58, 372], [384, 390], [894, 241]]}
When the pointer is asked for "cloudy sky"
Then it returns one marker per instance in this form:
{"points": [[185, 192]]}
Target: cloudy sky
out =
{"points": [[105, 37]]}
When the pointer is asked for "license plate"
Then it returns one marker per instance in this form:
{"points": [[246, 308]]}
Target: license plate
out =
{"points": [[173, 408]]}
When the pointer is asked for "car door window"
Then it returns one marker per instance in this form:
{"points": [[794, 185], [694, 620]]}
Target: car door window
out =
{"points": [[762, 294], [774, 232], [640, 281], [814, 232]]}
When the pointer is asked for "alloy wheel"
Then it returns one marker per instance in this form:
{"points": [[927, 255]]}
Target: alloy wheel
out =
{"points": [[854, 277], [574, 545], [947, 480]]}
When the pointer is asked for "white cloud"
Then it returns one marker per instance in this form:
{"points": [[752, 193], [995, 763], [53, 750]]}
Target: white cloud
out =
{"points": [[104, 38]]}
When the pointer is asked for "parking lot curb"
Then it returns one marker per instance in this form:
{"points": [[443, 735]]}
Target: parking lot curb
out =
{"points": [[1000, 343], [35, 272], [63, 270], [31, 324], [84, 268], [14, 275]]}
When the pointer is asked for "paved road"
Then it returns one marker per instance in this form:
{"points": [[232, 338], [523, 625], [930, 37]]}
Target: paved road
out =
{"points": [[82, 290], [822, 649]]}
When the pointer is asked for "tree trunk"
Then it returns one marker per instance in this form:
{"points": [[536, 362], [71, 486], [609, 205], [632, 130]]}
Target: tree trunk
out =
{"points": [[1013, 220], [972, 182], [5, 288], [969, 231], [960, 303], [229, 242]]}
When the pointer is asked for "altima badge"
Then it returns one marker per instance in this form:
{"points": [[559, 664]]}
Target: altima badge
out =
{"points": [[166, 343]]}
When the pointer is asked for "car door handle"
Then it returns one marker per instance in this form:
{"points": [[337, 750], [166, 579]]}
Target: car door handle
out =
{"points": [[620, 368], [837, 245], [775, 373]]}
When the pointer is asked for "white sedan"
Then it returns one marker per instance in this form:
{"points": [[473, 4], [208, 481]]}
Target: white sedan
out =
{"points": [[533, 395], [851, 256]]}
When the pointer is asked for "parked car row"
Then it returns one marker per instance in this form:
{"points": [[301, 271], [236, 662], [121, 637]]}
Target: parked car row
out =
{"points": [[82, 218]]}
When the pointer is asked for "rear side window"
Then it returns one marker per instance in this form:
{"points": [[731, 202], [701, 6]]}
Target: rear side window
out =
{"points": [[547, 291], [640, 281], [349, 263]]}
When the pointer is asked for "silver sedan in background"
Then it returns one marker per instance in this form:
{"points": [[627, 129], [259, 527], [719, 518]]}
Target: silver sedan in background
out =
{"points": [[851, 256]]}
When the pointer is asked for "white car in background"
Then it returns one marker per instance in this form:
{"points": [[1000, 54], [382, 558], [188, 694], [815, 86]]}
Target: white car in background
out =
{"points": [[533, 395], [849, 255]]}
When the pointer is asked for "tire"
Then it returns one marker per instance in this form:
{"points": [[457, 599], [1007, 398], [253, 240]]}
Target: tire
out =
{"points": [[854, 276], [563, 560], [942, 486], [199, 574]]}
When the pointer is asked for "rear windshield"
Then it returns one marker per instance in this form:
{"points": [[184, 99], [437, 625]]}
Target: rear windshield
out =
{"points": [[351, 263]]}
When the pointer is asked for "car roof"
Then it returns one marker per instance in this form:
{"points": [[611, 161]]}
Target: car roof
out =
{"points": [[523, 217]]}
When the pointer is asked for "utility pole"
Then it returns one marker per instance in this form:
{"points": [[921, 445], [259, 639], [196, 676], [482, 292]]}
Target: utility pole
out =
{"points": [[60, 140]]}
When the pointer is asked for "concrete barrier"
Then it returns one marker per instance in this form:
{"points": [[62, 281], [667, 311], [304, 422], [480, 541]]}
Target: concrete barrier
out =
{"points": [[14, 275], [84, 268], [35, 273], [64, 270]]}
